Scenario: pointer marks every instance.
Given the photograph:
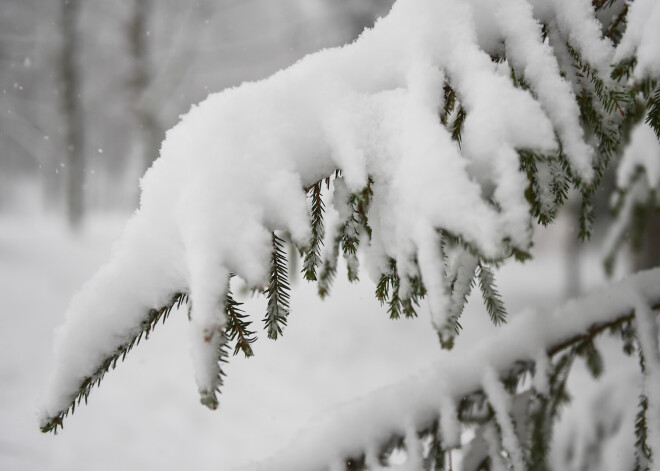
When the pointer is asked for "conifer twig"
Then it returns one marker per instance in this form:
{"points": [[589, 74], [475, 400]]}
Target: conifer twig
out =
{"points": [[277, 291], [52, 423]]}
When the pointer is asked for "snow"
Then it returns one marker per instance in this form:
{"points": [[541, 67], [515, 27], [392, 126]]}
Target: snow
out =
{"points": [[637, 176], [232, 171], [585, 431], [647, 335], [360, 424], [146, 415], [500, 401], [642, 38]]}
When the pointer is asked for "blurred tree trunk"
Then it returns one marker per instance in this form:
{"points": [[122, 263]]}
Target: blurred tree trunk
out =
{"points": [[148, 132], [648, 254], [72, 111]]}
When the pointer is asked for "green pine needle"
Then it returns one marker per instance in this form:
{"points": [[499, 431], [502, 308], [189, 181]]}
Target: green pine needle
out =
{"points": [[277, 292], [643, 453], [313, 251], [238, 326], [653, 115], [492, 299], [388, 291], [148, 324], [457, 125], [450, 103], [592, 357]]}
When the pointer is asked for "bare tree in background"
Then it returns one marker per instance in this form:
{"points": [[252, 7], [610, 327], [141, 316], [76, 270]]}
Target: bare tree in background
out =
{"points": [[72, 113], [149, 132]]}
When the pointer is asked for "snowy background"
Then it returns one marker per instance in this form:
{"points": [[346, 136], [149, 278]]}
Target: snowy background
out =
{"points": [[147, 415]]}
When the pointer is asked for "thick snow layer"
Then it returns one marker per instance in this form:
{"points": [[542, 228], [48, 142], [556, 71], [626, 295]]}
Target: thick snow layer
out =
{"points": [[500, 401], [235, 167], [642, 38]]}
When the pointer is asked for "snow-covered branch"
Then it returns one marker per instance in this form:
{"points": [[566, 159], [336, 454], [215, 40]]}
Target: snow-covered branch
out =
{"points": [[370, 422], [442, 133]]}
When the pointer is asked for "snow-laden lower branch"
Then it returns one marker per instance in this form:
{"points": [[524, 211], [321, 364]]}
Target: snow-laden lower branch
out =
{"points": [[361, 425]]}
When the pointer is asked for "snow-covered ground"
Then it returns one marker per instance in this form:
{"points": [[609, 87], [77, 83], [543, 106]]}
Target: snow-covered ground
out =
{"points": [[147, 415]]}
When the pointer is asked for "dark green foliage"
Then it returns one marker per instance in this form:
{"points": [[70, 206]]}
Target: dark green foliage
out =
{"points": [[623, 70], [544, 409], [540, 433], [643, 453], [492, 299], [148, 324], [457, 124], [350, 231], [653, 115], [237, 328], [518, 80], [611, 100], [586, 217], [628, 337], [449, 104], [277, 291], [598, 106], [313, 251], [538, 195], [387, 290], [592, 357]]}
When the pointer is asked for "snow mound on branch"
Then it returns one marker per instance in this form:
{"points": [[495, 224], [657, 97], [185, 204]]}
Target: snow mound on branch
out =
{"points": [[642, 38], [233, 171]]}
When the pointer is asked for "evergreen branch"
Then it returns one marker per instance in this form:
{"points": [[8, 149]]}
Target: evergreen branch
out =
{"points": [[491, 297], [388, 290], [313, 251], [586, 217], [350, 231], [460, 271], [329, 268], [457, 125], [545, 197], [592, 357], [238, 327], [643, 452], [472, 407], [540, 433], [518, 81], [277, 291], [546, 409], [653, 115], [449, 104], [84, 388], [624, 69], [613, 31], [610, 99]]}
